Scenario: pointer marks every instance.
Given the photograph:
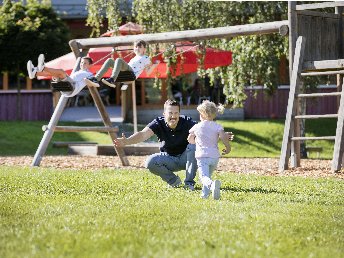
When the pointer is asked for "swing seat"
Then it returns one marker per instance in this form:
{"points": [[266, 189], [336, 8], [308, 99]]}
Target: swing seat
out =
{"points": [[61, 86], [126, 76]]}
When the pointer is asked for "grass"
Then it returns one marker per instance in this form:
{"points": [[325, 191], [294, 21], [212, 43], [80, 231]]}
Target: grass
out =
{"points": [[253, 138], [131, 213]]}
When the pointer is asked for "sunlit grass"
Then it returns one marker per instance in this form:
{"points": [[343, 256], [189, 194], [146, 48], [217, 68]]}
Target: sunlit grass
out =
{"points": [[131, 213]]}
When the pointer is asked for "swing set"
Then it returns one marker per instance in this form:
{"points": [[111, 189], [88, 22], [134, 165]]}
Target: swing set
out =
{"points": [[324, 39]]}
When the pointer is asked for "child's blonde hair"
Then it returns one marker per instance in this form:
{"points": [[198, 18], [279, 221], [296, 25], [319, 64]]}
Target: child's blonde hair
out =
{"points": [[209, 109]]}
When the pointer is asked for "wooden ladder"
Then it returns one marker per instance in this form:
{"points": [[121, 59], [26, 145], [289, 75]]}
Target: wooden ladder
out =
{"points": [[291, 138]]}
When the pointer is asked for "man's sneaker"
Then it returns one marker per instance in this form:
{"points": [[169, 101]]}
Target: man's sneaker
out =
{"points": [[31, 70], [109, 82], [215, 189], [176, 184], [189, 187], [92, 81], [41, 64]]}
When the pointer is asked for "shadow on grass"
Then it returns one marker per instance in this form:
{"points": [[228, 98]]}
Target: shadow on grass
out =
{"points": [[255, 140], [245, 190]]}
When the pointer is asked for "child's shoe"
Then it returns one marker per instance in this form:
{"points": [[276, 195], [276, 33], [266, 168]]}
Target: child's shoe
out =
{"points": [[92, 81], [31, 70], [215, 189], [109, 82], [41, 64]]}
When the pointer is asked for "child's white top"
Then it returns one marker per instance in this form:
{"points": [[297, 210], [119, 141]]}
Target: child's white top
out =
{"points": [[79, 83], [138, 64], [79, 77], [207, 135]]}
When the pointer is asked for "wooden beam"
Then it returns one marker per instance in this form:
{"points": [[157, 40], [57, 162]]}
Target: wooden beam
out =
{"points": [[175, 36], [318, 5], [82, 128], [312, 95], [318, 14], [322, 65], [326, 138]]}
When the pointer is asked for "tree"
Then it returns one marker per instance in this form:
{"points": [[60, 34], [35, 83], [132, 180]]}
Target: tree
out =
{"points": [[255, 58], [25, 32]]}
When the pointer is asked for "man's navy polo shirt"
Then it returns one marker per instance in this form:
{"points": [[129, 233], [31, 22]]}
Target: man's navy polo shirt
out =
{"points": [[172, 141]]}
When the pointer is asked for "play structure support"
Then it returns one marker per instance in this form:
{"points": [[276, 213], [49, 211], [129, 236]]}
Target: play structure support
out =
{"points": [[320, 42]]}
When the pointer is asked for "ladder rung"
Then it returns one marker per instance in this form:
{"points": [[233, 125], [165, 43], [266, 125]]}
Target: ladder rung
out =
{"points": [[323, 64], [323, 73], [316, 116], [311, 95], [331, 138], [82, 128]]}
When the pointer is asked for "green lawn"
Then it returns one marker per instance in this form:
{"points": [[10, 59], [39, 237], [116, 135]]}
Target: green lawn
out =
{"points": [[253, 138], [131, 213]]}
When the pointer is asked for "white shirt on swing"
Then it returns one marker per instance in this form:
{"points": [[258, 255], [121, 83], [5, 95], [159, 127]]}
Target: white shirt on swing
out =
{"points": [[77, 79], [138, 64]]}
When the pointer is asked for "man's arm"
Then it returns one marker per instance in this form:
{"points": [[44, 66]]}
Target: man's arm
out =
{"points": [[141, 136], [230, 136]]}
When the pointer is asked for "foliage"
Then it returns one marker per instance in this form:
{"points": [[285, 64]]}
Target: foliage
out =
{"points": [[28, 30], [131, 213], [97, 9], [255, 58]]}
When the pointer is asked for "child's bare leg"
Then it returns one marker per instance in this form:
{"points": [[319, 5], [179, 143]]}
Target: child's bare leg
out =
{"points": [[58, 73]]}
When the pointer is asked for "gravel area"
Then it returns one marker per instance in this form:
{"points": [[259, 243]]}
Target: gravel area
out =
{"points": [[259, 166]]}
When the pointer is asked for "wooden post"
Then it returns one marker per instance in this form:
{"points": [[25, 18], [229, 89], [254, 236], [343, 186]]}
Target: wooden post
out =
{"points": [[118, 94], [5, 81], [143, 93], [339, 10], [339, 142], [107, 122], [28, 83], [124, 102], [133, 87], [289, 123], [293, 34], [163, 91], [48, 134]]}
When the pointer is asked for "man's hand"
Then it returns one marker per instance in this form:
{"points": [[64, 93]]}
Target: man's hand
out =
{"points": [[230, 136], [120, 142]]}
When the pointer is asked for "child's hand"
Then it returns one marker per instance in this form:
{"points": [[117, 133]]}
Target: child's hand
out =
{"points": [[226, 150], [191, 138]]}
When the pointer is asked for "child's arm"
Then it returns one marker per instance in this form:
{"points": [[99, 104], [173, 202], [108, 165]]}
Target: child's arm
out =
{"points": [[149, 68], [225, 140], [191, 138]]}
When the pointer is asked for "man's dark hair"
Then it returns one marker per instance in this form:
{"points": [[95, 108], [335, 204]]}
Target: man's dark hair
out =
{"points": [[140, 43], [90, 61], [171, 102]]}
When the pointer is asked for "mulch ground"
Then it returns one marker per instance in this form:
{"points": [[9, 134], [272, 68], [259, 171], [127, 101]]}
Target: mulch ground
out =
{"points": [[259, 166]]}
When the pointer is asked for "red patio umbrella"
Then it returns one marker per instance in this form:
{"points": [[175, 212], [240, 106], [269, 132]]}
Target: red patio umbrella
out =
{"points": [[129, 28]]}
